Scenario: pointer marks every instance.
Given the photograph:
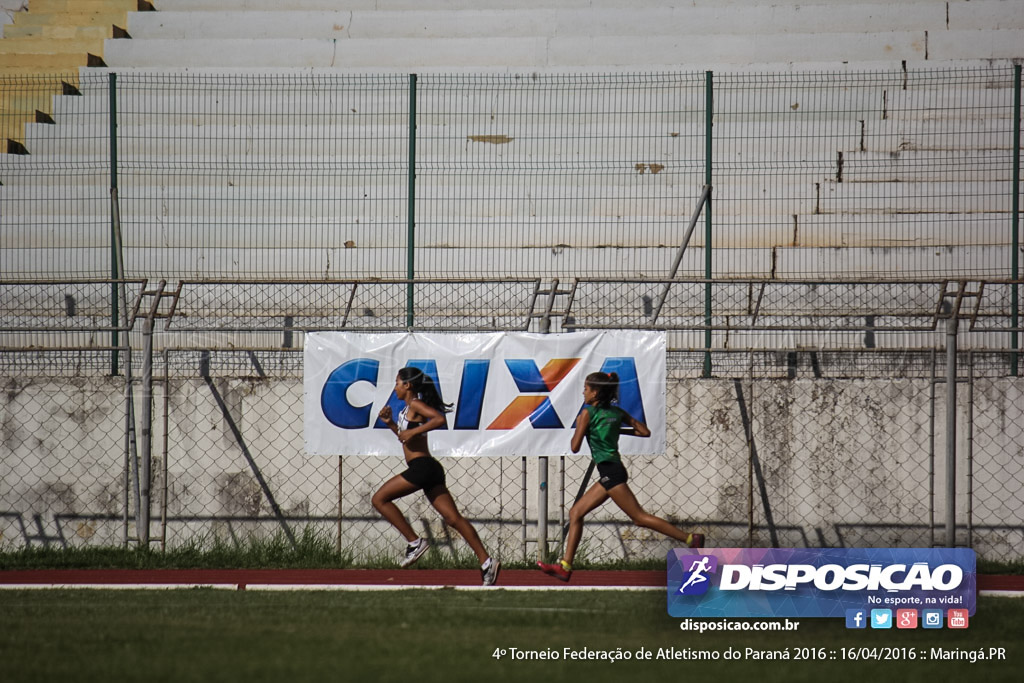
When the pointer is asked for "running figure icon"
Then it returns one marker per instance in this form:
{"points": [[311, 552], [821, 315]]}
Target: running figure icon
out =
{"points": [[697, 573]]}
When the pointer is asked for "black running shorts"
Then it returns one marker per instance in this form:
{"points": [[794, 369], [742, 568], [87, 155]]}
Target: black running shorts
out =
{"points": [[424, 473], [611, 474]]}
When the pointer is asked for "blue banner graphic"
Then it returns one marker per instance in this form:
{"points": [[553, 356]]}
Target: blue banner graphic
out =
{"points": [[819, 582]]}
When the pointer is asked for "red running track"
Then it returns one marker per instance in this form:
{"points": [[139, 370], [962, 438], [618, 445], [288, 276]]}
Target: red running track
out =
{"points": [[320, 577], [387, 578]]}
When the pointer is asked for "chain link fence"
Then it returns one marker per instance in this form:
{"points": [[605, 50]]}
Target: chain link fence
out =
{"points": [[995, 435], [63, 466], [769, 451], [761, 461]]}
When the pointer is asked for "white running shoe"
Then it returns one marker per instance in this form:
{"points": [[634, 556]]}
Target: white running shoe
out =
{"points": [[490, 575], [414, 551]]}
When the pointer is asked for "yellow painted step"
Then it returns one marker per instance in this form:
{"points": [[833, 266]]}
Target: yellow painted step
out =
{"points": [[49, 46], [71, 19], [51, 62], [59, 32], [28, 96], [45, 47], [28, 101], [12, 75], [13, 123], [65, 6], [22, 103], [11, 128]]}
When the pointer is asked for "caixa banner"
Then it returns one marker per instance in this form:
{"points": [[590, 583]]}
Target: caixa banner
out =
{"points": [[511, 393], [818, 582]]}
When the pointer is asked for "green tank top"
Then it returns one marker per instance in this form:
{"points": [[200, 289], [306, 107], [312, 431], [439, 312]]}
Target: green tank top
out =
{"points": [[603, 433]]}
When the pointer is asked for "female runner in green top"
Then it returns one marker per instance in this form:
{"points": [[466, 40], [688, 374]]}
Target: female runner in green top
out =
{"points": [[602, 423]]}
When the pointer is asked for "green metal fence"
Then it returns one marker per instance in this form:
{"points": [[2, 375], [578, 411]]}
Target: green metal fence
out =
{"points": [[911, 173]]}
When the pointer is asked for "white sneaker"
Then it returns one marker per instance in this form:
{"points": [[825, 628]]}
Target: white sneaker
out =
{"points": [[414, 551], [490, 575]]}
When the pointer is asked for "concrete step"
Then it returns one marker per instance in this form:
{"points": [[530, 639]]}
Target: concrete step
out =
{"points": [[989, 100], [31, 178], [532, 195], [840, 304], [509, 53], [461, 5], [857, 230], [663, 51], [890, 262], [336, 24], [879, 99], [347, 23], [985, 14], [654, 157], [664, 216], [367, 226], [340, 262], [877, 102], [930, 117], [692, 77], [345, 103], [353, 196], [917, 198], [350, 199], [974, 44], [273, 53], [927, 166]]}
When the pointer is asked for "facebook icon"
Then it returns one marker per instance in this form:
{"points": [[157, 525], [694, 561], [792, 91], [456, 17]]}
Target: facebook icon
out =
{"points": [[856, 618]]}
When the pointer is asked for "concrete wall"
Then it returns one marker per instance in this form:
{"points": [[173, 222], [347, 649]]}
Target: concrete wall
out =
{"points": [[838, 462], [570, 34]]}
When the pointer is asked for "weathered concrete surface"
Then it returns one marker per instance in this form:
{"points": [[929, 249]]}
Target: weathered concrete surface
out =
{"points": [[828, 462]]}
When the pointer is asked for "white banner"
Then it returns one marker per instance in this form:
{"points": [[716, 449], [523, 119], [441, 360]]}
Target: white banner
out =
{"points": [[512, 393]]}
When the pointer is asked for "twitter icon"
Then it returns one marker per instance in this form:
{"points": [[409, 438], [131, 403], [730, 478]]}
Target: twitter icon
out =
{"points": [[881, 618]]}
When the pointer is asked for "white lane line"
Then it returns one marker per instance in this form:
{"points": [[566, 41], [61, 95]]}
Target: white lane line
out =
{"points": [[310, 587]]}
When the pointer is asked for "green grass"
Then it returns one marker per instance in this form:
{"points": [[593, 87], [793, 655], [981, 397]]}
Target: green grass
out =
{"points": [[438, 635], [313, 549], [990, 567]]}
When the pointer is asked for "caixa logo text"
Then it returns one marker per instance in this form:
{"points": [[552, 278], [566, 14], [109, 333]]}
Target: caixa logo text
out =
{"points": [[532, 403], [831, 577]]}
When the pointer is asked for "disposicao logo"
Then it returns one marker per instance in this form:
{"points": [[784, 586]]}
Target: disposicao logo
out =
{"points": [[696, 580], [825, 582]]}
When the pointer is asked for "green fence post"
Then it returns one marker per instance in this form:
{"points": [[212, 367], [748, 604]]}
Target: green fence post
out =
{"points": [[410, 268], [709, 110], [114, 256], [1015, 230]]}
